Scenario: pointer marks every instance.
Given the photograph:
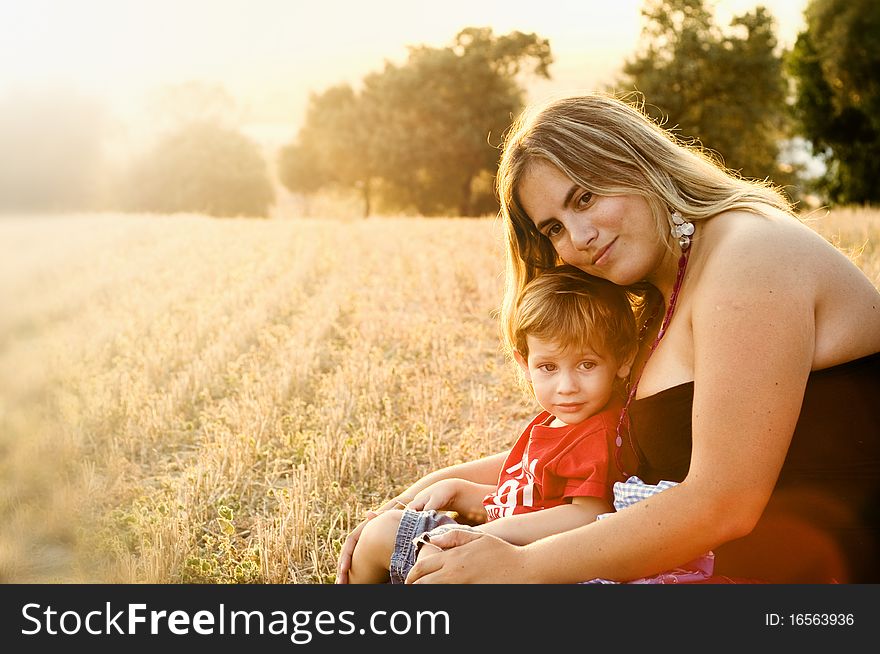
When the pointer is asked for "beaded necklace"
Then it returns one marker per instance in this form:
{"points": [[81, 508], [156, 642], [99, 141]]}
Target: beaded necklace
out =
{"points": [[679, 277]]}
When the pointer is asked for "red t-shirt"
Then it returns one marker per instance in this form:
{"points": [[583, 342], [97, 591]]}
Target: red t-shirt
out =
{"points": [[547, 465]]}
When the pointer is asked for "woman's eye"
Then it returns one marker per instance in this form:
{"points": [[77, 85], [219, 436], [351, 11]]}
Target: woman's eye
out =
{"points": [[554, 230], [584, 199], [588, 365]]}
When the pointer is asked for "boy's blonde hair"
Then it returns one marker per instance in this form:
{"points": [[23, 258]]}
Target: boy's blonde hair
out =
{"points": [[568, 307]]}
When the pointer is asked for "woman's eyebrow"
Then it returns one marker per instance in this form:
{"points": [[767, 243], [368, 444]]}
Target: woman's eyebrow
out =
{"points": [[568, 196], [574, 189]]}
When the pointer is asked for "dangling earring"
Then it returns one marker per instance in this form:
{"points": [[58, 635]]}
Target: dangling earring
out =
{"points": [[682, 230]]}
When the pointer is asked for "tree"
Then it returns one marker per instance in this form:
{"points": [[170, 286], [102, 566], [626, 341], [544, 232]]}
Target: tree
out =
{"points": [[298, 171], [205, 168], [334, 147], [419, 133], [836, 67], [448, 105], [725, 89]]}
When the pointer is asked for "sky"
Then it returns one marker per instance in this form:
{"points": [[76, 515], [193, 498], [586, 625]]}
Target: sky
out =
{"points": [[270, 54]]}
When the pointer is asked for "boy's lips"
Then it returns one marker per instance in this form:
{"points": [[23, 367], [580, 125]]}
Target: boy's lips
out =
{"points": [[570, 407]]}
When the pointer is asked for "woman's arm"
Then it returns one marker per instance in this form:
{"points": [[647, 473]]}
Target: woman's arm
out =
{"points": [[753, 328], [656, 534]]}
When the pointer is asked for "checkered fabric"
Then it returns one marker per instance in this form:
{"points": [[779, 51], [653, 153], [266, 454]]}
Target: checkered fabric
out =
{"points": [[633, 490], [627, 493]]}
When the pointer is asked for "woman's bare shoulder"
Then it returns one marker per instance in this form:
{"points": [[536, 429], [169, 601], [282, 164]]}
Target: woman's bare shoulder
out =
{"points": [[772, 231], [748, 256], [743, 248]]}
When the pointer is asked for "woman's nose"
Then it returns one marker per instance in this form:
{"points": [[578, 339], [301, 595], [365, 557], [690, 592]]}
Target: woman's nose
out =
{"points": [[583, 234]]}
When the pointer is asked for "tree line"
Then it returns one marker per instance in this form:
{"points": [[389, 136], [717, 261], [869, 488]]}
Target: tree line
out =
{"points": [[423, 136]]}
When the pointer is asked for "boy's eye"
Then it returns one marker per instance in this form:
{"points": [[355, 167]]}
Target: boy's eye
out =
{"points": [[547, 367]]}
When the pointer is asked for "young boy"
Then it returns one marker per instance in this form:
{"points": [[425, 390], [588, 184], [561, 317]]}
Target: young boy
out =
{"points": [[575, 343]]}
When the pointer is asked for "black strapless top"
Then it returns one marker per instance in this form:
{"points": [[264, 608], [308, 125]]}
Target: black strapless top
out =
{"points": [[823, 520]]}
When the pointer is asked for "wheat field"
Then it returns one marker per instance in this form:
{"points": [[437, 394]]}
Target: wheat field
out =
{"points": [[187, 399]]}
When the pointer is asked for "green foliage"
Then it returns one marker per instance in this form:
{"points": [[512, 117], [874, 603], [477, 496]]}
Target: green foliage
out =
{"points": [[420, 134], [222, 557], [724, 88], [835, 64], [205, 168]]}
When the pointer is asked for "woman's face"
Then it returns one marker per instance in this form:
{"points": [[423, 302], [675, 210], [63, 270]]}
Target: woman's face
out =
{"points": [[611, 236]]}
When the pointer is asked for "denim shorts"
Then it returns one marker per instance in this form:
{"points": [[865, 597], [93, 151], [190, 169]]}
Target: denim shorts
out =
{"points": [[412, 524]]}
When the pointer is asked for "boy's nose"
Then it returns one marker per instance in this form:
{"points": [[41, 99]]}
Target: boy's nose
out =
{"points": [[567, 384]]}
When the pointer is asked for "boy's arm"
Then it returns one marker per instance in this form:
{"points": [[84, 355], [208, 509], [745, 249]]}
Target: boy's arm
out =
{"points": [[526, 528], [459, 495], [480, 471]]}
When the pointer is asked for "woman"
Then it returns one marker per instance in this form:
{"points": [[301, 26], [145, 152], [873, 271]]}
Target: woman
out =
{"points": [[758, 370]]}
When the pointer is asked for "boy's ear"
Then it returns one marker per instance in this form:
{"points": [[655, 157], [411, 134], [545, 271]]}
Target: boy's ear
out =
{"points": [[626, 367], [522, 364]]}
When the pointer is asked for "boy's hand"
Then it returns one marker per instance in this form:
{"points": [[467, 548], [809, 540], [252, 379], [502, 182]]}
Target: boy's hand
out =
{"points": [[439, 496], [459, 495]]}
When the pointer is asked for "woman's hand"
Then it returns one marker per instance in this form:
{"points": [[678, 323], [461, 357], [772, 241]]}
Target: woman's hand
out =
{"points": [[471, 557], [344, 564]]}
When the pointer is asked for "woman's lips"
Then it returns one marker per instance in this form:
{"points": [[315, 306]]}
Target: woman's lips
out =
{"points": [[601, 256]]}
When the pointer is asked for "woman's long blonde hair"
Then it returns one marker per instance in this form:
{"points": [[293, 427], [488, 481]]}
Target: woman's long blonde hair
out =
{"points": [[609, 147]]}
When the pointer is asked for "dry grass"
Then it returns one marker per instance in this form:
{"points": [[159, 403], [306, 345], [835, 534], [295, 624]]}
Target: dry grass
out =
{"points": [[185, 399]]}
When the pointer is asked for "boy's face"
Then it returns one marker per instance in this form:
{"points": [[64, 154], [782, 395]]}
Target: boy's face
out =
{"points": [[570, 383]]}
